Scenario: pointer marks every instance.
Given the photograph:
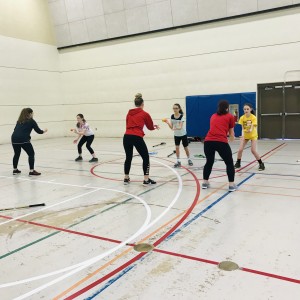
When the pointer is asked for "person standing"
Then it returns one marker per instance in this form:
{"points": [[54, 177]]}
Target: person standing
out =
{"points": [[86, 135], [221, 123], [177, 124], [21, 139], [249, 133], [136, 119]]}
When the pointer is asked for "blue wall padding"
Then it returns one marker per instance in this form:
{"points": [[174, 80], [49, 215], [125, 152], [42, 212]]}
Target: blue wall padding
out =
{"points": [[199, 109]]}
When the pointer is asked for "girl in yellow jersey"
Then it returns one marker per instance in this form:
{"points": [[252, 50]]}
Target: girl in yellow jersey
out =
{"points": [[249, 132]]}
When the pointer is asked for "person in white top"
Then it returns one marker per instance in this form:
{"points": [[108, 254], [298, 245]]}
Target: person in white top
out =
{"points": [[86, 135], [177, 124]]}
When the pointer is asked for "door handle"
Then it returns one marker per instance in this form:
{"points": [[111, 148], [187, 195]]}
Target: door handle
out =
{"points": [[292, 114], [275, 114]]}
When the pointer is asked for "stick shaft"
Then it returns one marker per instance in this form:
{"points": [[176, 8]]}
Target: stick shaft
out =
{"points": [[26, 206]]}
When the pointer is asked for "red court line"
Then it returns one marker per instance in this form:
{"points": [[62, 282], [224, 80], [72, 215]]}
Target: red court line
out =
{"points": [[157, 250], [62, 229], [270, 275], [241, 268], [137, 257]]}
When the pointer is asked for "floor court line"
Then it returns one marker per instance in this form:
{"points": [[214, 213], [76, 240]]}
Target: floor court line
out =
{"points": [[128, 250], [91, 261], [101, 268], [164, 238], [243, 181], [85, 219]]}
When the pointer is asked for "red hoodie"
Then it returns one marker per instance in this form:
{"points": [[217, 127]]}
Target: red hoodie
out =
{"points": [[136, 119]]}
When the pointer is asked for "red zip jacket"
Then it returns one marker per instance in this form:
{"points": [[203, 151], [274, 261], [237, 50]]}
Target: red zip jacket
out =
{"points": [[136, 119]]}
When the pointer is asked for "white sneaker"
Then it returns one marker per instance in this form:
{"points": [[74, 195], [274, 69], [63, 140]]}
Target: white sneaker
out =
{"points": [[232, 188]]}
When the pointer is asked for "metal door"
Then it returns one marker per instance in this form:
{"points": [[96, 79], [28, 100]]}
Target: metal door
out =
{"points": [[279, 110]]}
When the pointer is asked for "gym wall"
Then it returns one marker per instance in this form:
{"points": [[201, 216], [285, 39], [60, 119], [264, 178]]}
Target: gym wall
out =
{"points": [[231, 56], [29, 67]]}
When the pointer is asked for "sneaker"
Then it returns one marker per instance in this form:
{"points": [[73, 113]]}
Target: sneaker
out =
{"points": [[237, 165], [190, 162], [16, 172], [149, 182], [205, 186], [126, 181], [34, 173], [177, 165], [79, 158], [261, 167], [232, 188], [94, 159]]}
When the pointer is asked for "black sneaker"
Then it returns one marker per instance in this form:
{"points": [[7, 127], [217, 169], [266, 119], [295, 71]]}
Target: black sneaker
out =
{"points": [[261, 167], [16, 172], [34, 173], [149, 182], [79, 158], [94, 159], [237, 165], [126, 181], [177, 165]]}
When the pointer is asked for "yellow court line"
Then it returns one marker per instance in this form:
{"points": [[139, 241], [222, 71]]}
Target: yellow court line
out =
{"points": [[130, 249]]}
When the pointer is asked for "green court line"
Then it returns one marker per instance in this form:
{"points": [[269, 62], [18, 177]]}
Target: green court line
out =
{"points": [[95, 215]]}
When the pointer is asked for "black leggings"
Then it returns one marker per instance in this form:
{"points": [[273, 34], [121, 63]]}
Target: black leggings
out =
{"points": [[27, 147], [130, 141], [224, 151], [88, 140]]}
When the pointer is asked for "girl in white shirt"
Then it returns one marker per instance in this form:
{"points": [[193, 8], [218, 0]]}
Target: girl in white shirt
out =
{"points": [[177, 124], [86, 135]]}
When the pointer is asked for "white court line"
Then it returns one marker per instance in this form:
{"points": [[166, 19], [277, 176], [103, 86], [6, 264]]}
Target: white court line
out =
{"points": [[93, 260], [147, 220], [50, 206]]}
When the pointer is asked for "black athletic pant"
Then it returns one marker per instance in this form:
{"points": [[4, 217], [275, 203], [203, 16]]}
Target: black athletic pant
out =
{"points": [[224, 151], [27, 147], [88, 140], [130, 141]]}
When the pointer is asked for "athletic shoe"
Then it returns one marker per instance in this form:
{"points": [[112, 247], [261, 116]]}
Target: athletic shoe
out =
{"points": [[16, 172], [237, 165], [149, 182], [190, 162], [79, 158], [34, 173], [94, 159], [177, 165], [205, 185], [261, 167], [126, 181], [232, 188]]}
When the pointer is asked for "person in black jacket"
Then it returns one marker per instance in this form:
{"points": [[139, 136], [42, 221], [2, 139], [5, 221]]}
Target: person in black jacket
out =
{"points": [[20, 139]]}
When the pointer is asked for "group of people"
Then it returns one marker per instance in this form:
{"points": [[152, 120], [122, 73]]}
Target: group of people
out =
{"points": [[21, 139], [221, 125]]}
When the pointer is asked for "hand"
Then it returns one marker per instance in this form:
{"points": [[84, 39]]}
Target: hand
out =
{"points": [[231, 138], [45, 130], [75, 141], [156, 127]]}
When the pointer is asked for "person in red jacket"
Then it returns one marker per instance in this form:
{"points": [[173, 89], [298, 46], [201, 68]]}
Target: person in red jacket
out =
{"points": [[221, 123], [136, 119]]}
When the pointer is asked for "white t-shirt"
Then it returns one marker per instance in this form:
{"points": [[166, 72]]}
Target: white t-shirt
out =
{"points": [[176, 123], [85, 126]]}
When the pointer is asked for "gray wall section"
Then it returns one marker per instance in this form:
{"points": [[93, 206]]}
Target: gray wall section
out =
{"points": [[82, 21]]}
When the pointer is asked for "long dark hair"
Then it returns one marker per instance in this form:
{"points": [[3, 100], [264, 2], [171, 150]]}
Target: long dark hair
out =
{"points": [[223, 106], [180, 109], [25, 115], [138, 100], [251, 108], [83, 119]]}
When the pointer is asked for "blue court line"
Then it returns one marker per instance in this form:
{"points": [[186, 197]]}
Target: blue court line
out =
{"points": [[110, 282], [113, 280]]}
